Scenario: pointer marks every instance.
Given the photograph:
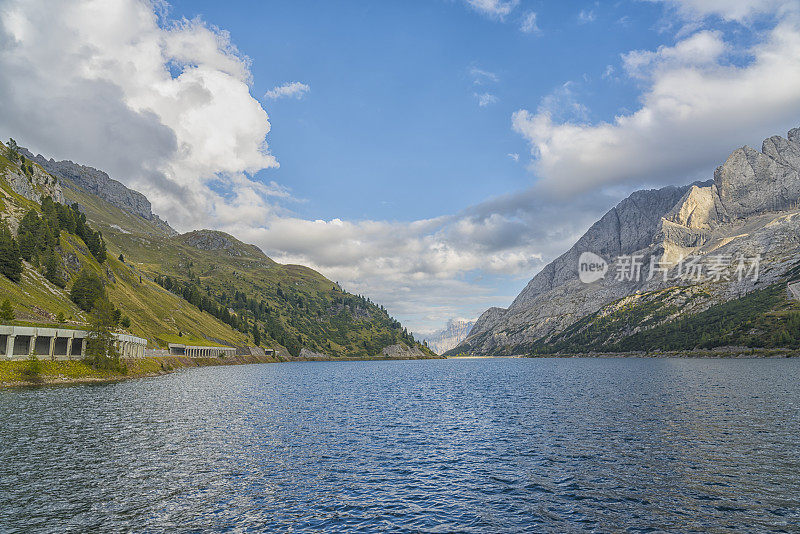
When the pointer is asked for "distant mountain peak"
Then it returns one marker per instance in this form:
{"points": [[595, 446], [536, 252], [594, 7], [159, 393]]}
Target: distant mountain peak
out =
{"points": [[454, 332]]}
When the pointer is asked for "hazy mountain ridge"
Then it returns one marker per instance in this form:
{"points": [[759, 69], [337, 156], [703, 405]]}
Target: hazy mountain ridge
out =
{"points": [[449, 337], [750, 208]]}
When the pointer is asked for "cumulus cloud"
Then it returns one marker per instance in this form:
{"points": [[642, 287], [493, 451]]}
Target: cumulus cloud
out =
{"points": [[164, 106], [498, 9], [430, 270], [702, 49], [695, 107], [288, 90]]}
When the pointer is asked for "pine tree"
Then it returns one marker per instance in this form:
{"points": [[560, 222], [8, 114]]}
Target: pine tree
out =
{"points": [[13, 150], [10, 258], [52, 271], [86, 289], [27, 245], [6, 311], [101, 347]]}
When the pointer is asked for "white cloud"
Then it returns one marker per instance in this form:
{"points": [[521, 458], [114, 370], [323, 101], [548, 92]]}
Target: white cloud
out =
{"points": [[497, 9], [704, 48], [424, 270], [165, 108], [563, 104], [528, 24], [288, 90], [695, 107], [732, 10], [486, 99], [514, 156]]}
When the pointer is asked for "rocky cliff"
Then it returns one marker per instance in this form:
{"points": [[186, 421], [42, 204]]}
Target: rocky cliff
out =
{"points": [[750, 209], [98, 183], [28, 179], [450, 336]]}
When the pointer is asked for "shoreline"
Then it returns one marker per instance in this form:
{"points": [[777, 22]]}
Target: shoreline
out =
{"points": [[730, 353], [76, 372]]}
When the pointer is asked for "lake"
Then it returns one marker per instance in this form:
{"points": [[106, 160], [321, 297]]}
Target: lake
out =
{"points": [[482, 445]]}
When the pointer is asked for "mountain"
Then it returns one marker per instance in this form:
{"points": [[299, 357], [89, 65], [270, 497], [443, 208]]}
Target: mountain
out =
{"points": [[744, 221], [202, 286], [454, 332], [98, 183]]}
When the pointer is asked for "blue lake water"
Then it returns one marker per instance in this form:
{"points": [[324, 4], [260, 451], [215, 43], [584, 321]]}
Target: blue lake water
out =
{"points": [[493, 445]]}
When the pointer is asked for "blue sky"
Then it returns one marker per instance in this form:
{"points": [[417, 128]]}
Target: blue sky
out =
{"points": [[391, 127], [431, 154]]}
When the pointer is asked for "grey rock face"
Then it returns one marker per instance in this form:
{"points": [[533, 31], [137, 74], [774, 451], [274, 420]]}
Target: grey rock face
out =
{"points": [[402, 351], [751, 207], [752, 182], [628, 227], [98, 183], [309, 354], [34, 186], [450, 336]]}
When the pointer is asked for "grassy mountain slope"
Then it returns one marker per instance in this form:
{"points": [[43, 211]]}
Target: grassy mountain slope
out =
{"points": [[155, 313], [166, 280], [296, 307]]}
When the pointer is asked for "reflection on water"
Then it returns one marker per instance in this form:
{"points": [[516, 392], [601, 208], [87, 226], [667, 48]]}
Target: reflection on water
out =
{"points": [[470, 445]]}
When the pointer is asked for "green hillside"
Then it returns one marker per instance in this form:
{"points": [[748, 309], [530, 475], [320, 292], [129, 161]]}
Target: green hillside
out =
{"points": [[291, 306], [202, 286], [155, 314]]}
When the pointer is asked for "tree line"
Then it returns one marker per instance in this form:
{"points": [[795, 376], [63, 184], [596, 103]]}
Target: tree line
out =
{"points": [[37, 240]]}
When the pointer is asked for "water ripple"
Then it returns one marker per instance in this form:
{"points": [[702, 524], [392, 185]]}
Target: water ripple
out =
{"points": [[553, 445]]}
